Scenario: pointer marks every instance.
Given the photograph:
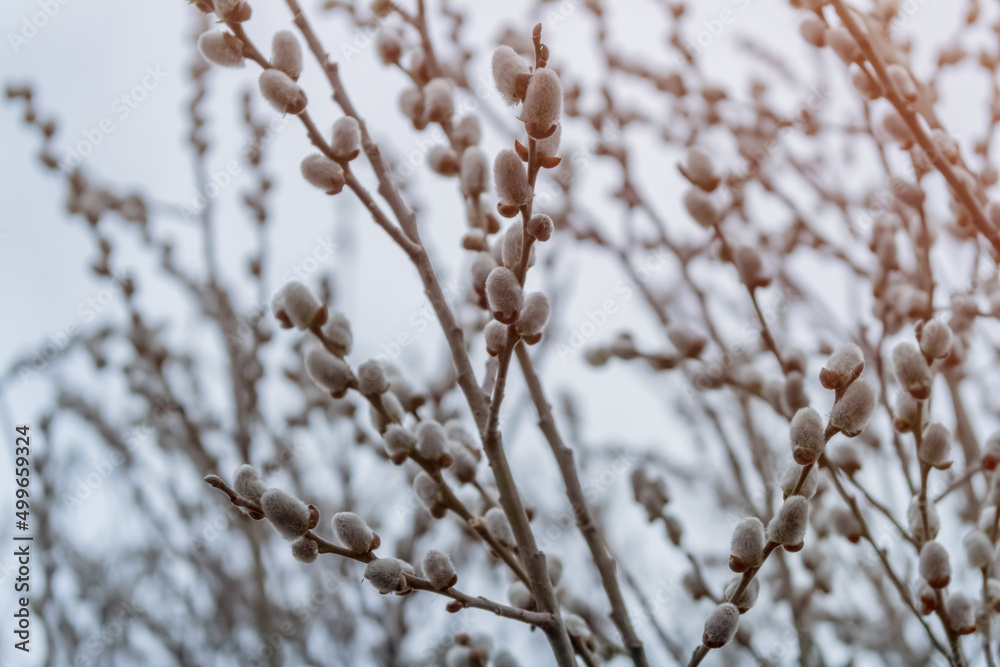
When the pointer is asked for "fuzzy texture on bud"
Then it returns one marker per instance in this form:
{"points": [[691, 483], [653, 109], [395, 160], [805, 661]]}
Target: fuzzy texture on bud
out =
{"points": [[520, 596], [512, 247], [701, 208], [749, 597], [788, 527], [474, 171], [286, 54], [329, 372], [393, 409], [346, 144], [549, 147], [443, 161], [463, 462], [935, 339], [496, 337], [323, 173], [499, 527], [371, 379], [431, 439], [248, 484], [284, 94], [906, 412], [842, 367], [747, 546], [721, 626], [961, 614], [534, 315], [232, 10], [305, 550], [846, 523], [915, 521], [807, 436], [467, 132], [511, 179], [978, 549], [542, 103], [791, 478], [426, 489], [353, 532], [289, 515], [509, 68], [540, 227], [688, 342], [750, 267], [935, 566], [399, 442], [439, 102], [912, 370], [438, 570], [935, 446], [221, 48], [385, 574], [300, 304], [699, 169], [338, 333], [389, 47], [851, 413], [504, 294]]}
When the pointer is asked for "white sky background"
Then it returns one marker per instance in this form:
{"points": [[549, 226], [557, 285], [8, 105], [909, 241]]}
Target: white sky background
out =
{"points": [[91, 53]]}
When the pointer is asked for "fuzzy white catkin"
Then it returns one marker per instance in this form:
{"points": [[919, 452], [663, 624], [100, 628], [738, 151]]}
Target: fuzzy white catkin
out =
{"points": [[247, 483], [915, 520], [700, 207], [534, 315], [284, 94], [393, 409], [843, 44], [788, 527], [935, 446], [232, 10], [750, 266], [426, 489], [305, 550], [510, 251], [987, 518], [576, 626], [806, 433], [498, 526], [791, 477], [222, 48], [389, 47], [439, 102], [328, 372], [508, 66], [813, 31], [346, 144], [371, 379], [688, 342], [912, 370], [903, 81], [961, 613], [286, 54], [411, 103], [353, 532], [438, 569], [443, 161], [289, 515], [978, 549], [549, 147], [496, 337], [721, 626], [323, 173], [338, 333], [542, 103], [906, 412], [474, 171], [844, 364], [700, 170], [398, 440], [504, 294], [468, 131], [749, 597], [510, 178], [935, 566], [540, 227], [300, 304], [431, 439], [463, 462], [935, 339], [519, 595], [851, 413], [459, 656], [385, 574], [748, 542]]}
